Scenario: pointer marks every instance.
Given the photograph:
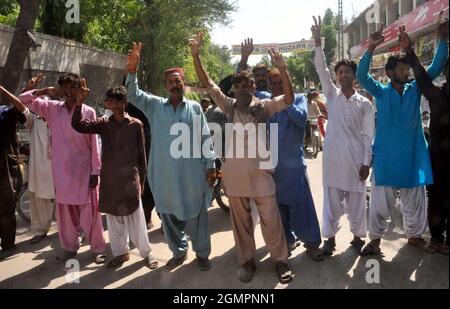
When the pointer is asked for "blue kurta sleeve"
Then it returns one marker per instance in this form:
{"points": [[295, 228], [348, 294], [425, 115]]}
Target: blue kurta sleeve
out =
{"points": [[439, 60], [374, 87], [142, 100], [298, 112]]}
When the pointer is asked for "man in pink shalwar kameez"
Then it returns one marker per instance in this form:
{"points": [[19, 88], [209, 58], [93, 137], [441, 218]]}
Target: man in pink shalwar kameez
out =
{"points": [[76, 166]]}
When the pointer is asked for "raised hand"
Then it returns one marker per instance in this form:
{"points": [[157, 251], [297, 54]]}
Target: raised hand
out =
{"points": [[247, 48], [316, 30], [404, 39], [277, 59], [196, 43], [134, 56], [82, 91], [442, 26], [34, 81], [376, 38]]}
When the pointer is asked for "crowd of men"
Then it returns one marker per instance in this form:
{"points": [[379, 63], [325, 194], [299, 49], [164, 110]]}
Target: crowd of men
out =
{"points": [[387, 136]]}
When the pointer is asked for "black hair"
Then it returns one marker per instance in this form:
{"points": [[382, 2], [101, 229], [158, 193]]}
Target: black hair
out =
{"points": [[118, 93], [241, 77], [347, 62], [69, 78], [394, 60]]}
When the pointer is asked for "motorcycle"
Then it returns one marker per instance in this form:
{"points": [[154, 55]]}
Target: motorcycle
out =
{"points": [[312, 137], [23, 204], [218, 190]]}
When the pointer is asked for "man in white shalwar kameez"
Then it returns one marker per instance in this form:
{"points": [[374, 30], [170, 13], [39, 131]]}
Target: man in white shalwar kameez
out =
{"points": [[347, 151], [40, 178]]}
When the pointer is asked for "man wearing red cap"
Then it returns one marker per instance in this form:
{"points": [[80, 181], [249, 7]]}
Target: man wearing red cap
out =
{"points": [[177, 180]]}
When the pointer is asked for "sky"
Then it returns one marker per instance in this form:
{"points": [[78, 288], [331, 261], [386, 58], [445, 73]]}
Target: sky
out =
{"points": [[278, 21]]}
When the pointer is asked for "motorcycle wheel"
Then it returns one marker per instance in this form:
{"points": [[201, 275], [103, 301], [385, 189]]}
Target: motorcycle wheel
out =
{"points": [[24, 205]]}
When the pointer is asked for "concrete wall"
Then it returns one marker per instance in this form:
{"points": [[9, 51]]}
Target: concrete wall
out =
{"points": [[101, 68]]}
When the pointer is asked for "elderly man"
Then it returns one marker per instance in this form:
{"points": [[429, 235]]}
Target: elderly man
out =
{"points": [[178, 183]]}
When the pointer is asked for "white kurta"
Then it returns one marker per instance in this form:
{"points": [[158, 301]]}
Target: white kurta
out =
{"points": [[350, 131], [40, 179]]}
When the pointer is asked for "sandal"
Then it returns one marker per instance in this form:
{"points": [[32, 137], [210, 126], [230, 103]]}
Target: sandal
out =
{"points": [[100, 258], [246, 271], [174, 263], [372, 248], [284, 272], [64, 257], [315, 253], [421, 244], [357, 244], [151, 262], [118, 261]]}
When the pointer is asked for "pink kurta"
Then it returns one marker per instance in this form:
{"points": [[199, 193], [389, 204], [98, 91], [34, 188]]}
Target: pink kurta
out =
{"points": [[75, 157]]}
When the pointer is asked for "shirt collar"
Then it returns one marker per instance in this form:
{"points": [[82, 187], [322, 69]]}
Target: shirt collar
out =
{"points": [[126, 117], [184, 101], [355, 96]]}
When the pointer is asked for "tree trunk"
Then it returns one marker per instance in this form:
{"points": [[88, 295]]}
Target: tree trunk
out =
{"points": [[20, 44]]}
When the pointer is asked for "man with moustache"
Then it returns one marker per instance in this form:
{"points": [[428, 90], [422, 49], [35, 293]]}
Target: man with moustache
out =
{"points": [[181, 191]]}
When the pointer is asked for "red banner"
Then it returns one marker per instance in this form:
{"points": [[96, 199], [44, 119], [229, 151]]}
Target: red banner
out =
{"points": [[423, 16]]}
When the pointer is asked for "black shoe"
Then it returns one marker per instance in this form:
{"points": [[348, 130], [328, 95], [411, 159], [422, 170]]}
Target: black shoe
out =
{"points": [[38, 238], [246, 271], [204, 264], [174, 263], [329, 246], [64, 257], [7, 253], [357, 244]]}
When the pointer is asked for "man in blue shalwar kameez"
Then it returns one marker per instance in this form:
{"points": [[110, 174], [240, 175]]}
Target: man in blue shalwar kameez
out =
{"points": [[179, 185], [401, 157], [292, 184]]}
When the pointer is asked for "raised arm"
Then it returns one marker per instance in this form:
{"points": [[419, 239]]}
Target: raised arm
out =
{"points": [[142, 160], [142, 100], [298, 111], [329, 89], [12, 99], [280, 64], [441, 55], [31, 99], [423, 80], [374, 87], [84, 126], [246, 51], [223, 102]]}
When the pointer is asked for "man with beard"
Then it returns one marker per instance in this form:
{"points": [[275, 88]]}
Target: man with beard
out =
{"points": [[438, 202], [244, 178], [296, 205], [401, 156], [260, 71], [179, 185]]}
